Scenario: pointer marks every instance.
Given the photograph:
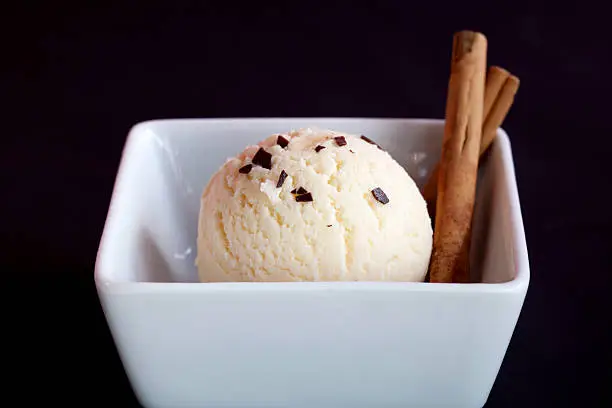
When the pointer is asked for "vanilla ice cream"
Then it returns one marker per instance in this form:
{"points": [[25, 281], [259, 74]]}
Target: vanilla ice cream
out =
{"points": [[313, 205]]}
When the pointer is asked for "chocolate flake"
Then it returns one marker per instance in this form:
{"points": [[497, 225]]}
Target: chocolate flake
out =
{"points": [[329, 225], [304, 198], [380, 195], [282, 142], [319, 148], [245, 169], [370, 141], [263, 159], [281, 179], [351, 151], [340, 140], [300, 190]]}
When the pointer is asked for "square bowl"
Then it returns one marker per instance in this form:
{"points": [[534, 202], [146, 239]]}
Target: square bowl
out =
{"points": [[301, 344]]}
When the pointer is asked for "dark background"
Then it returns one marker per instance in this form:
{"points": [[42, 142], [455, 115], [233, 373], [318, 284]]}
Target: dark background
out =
{"points": [[75, 78]]}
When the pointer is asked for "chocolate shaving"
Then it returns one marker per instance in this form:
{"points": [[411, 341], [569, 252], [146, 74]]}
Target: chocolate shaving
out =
{"points": [[263, 159], [351, 151], [380, 195], [329, 225], [245, 169], [370, 141], [300, 190], [319, 148], [367, 139], [304, 198], [282, 142], [340, 140], [281, 179]]}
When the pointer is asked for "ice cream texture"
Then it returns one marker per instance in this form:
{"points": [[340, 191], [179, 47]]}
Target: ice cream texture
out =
{"points": [[313, 205]]}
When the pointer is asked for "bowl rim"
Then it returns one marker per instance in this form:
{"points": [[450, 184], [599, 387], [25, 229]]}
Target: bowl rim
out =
{"points": [[521, 262]]}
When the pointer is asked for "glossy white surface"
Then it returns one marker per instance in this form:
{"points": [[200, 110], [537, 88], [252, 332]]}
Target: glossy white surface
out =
{"points": [[336, 344]]}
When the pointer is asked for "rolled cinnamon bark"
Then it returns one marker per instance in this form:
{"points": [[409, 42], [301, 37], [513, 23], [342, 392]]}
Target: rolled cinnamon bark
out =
{"points": [[460, 153], [496, 77], [500, 89], [500, 106]]}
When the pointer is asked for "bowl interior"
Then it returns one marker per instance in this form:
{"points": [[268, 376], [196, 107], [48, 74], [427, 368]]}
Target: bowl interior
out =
{"points": [[150, 235]]}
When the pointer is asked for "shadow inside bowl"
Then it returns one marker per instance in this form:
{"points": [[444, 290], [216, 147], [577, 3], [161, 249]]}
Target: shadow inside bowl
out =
{"points": [[154, 268]]}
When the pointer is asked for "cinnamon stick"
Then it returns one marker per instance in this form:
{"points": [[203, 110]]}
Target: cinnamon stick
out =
{"points": [[500, 89], [460, 153], [499, 109], [496, 77]]}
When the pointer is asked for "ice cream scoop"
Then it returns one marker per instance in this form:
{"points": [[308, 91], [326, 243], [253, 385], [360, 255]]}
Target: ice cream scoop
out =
{"points": [[313, 205]]}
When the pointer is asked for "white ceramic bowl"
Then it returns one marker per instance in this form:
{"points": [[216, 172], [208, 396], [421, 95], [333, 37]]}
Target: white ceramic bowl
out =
{"points": [[351, 344]]}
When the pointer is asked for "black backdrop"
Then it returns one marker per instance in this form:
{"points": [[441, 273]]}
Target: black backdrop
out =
{"points": [[75, 78]]}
